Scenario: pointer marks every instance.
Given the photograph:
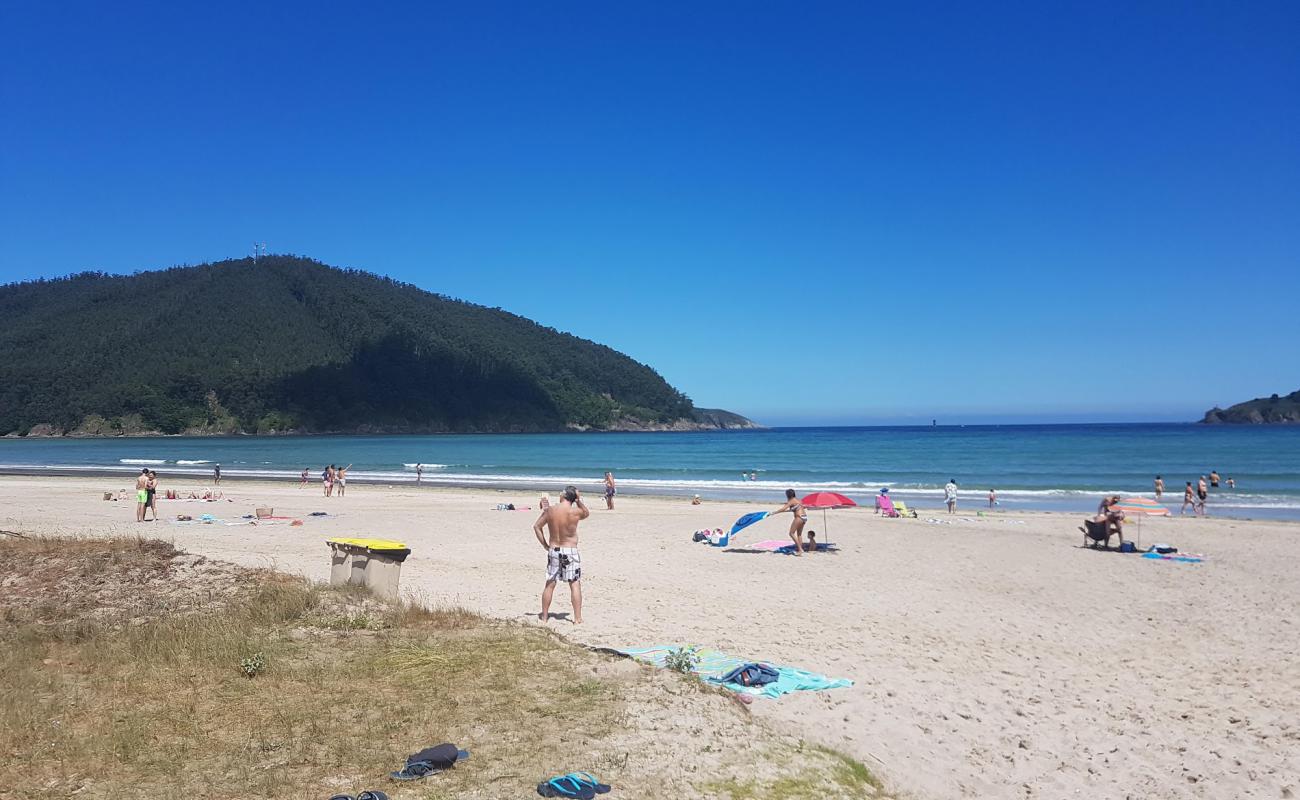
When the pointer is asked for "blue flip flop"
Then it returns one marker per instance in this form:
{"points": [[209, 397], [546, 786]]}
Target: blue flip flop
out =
{"points": [[565, 786], [590, 781]]}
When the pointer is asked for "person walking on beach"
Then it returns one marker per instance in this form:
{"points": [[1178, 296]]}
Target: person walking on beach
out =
{"points": [[795, 507], [1202, 492], [950, 495], [560, 541], [1160, 487], [341, 478], [303, 478], [993, 497], [216, 475], [1189, 499], [419, 473], [141, 494], [609, 491]]}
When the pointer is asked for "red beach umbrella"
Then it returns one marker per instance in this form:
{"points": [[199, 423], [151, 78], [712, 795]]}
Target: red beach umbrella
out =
{"points": [[826, 501]]}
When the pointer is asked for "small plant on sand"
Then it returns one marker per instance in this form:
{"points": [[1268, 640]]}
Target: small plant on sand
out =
{"points": [[252, 665], [682, 660]]}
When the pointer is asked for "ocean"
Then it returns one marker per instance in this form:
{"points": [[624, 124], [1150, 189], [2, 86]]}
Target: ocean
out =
{"points": [[1044, 467]]}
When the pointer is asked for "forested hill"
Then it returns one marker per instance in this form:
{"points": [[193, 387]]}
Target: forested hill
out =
{"points": [[1260, 411], [289, 344]]}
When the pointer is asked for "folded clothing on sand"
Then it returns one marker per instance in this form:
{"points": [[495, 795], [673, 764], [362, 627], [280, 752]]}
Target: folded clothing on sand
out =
{"points": [[714, 666]]}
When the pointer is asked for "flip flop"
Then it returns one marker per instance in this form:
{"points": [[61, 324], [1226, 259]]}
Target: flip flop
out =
{"points": [[590, 781], [429, 761], [565, 786]]}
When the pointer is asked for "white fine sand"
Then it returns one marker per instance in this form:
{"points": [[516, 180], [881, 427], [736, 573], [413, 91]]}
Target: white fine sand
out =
{"points": [[992, 657]]}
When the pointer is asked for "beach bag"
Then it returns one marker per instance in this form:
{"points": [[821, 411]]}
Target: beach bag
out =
{"points": [[1128, 547], [752, 675]]}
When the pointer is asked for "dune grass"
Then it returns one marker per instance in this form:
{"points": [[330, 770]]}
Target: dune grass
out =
{"points": [[341, 689]]}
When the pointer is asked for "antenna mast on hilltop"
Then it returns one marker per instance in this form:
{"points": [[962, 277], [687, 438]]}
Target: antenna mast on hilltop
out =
{"points": [[259, 249]]}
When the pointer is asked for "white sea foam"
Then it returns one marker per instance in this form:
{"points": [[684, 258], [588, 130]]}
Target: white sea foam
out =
{"points": [[141, 461], [426, 466], [184, 461]]}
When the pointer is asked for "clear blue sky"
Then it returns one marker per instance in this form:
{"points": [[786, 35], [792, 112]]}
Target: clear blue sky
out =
{"points": [[805, 212]]}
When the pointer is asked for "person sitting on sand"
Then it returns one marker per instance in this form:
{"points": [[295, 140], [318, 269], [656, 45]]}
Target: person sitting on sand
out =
{"points": [[695, 500], [563, 563], [795, 507], [812, 542], [1109, 513]]}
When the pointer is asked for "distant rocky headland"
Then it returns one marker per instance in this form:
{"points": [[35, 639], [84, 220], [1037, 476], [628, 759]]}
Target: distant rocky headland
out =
{"points": [[1277, 409]]}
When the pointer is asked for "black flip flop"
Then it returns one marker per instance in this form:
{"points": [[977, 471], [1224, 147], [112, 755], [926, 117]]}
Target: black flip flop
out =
{"points": [[429, 761], [565, 786]]}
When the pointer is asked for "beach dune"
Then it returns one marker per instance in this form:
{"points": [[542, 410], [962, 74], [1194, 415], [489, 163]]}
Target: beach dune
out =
{"points": [[991, 656]]}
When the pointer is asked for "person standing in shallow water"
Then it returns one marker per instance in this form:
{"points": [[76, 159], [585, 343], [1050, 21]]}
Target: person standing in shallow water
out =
{"points": [[950, 495], [609, 491], [563, 563], [1160, 487]]}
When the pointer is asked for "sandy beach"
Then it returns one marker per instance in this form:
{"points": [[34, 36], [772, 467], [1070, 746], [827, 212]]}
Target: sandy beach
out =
{"points": [[992, 657]]}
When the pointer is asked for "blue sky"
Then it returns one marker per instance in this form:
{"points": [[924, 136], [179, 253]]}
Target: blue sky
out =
{"points": [[808, 213]]}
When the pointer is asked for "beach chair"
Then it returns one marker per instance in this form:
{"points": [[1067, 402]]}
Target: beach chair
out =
{"points": [[885, 506], [1099, 533], [903, 510]]}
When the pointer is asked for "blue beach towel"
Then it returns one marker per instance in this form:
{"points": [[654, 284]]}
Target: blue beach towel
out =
{"points": [[747, 520], [713, 665]]}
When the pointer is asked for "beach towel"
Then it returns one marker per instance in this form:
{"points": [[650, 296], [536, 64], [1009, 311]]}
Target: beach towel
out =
{"points": [[1186, 558], [822, 547], [713, 665], [769, 544], [747, 520]]}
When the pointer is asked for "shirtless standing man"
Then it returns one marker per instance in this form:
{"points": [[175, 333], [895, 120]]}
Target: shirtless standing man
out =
{"points": [[562, 560], [609, 491], [1160, 487], [141, 494]]}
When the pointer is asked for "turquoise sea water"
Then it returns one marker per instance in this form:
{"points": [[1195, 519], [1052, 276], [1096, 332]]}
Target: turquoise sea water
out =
{"points": [[1054, 467]]}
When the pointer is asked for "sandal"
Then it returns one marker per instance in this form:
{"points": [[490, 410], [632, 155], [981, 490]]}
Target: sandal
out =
{"points": [[590, 781], [565, 786]]}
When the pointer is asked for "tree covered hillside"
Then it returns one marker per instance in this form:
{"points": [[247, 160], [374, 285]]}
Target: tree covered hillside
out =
{"points": [[291, 344]]}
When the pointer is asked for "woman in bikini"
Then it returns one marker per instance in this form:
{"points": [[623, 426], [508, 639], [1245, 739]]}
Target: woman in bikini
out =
{"points": [[795, 507]]}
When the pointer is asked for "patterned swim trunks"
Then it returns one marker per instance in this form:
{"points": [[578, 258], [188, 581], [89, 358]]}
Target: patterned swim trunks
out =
{"points": [[563, 563]]}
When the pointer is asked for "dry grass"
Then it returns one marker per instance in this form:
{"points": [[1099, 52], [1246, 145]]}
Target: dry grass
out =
{"points": [[142, 701]]}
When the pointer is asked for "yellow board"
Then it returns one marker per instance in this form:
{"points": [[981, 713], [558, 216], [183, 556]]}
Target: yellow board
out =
{"points": [[371, 544]]}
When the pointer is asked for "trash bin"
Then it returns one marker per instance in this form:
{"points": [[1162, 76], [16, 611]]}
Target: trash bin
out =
{"points": [[373, 563]]}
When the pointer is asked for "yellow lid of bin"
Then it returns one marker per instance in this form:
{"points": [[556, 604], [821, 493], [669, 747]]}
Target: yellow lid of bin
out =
{"points": [[372, 544]]}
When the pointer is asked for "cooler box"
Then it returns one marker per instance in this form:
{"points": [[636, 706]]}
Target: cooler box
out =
{"points": [[373, 563]]}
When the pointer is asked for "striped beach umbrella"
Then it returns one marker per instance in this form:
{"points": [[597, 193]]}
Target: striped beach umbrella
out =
{"points": [[1141, 507]]}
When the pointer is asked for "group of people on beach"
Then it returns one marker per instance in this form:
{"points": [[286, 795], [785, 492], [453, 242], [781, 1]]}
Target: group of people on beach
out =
{"points": [[333, 479], [1196, 496], [146, 495]]}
